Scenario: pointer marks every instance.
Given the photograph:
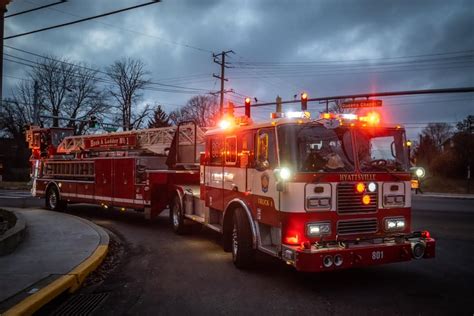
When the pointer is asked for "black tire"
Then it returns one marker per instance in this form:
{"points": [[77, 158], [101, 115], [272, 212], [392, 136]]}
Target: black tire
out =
{"points": [[53, 201], [243, 254], [177, 216]]}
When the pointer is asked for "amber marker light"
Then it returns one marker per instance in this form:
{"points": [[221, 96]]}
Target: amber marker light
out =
{"points": [[360, 187], [366, 199]]}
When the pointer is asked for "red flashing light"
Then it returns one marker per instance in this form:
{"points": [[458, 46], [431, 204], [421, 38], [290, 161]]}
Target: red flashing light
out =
{"points": [[328, 116], [360, 187], [425, 234], [292, 240], [372, 118], [225, 123]]}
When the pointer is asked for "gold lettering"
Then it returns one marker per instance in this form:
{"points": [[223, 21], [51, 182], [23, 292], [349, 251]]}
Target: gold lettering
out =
{"points": [[264, 202], [357, 177]]}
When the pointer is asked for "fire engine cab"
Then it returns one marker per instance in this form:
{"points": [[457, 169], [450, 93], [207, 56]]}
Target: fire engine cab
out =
{"points": [[320, 194]]}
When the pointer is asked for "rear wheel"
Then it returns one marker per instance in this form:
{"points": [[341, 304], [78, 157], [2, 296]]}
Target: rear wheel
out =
{"points": [[53, 201], [177, 217], [243, 254]]}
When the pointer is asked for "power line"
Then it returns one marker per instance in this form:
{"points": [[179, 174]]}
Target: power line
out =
{"points": [[371, 59], [82, 20], [103, 80], [35, 9], [189, 89]]}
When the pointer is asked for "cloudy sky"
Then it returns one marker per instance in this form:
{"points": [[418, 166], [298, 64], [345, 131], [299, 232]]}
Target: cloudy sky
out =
{"points": [[326, 47]]}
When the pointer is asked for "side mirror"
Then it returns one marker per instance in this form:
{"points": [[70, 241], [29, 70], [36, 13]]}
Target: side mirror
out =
{"points": [[262, 165]]}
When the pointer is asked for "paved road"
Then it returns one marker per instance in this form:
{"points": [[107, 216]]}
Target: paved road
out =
{"points": [[168, 274]]}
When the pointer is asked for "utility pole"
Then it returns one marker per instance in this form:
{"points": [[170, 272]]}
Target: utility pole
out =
{"points": [[36, 107], [3, 9], [223, 65], [470, 129]]}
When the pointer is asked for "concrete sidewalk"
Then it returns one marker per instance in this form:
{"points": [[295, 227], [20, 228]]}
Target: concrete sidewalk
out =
{"points": [[444, 195], [58, 252]]}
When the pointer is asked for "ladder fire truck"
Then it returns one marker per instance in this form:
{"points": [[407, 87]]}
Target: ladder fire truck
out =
{"points": [[320, 194]]}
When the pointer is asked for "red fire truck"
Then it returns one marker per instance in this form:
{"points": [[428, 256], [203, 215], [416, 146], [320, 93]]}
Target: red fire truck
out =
{"points": [[321, 195]]}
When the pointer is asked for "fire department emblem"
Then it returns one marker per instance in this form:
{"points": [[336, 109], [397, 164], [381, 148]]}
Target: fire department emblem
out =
{"points": [[265, 180]]}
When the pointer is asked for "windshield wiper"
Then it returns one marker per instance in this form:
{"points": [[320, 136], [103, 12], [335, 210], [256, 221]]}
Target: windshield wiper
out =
{"points": [[384, 168]]}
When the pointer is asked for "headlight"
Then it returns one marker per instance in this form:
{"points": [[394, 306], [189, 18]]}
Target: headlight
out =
{"points": [[372, 187], [420, 172], [315, 203], [284, 173], [318, 229], [394, 224], [394, 200]]}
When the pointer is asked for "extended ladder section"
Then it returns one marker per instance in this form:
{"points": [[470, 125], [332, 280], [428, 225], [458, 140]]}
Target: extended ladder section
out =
{"points": [[154, 140]]}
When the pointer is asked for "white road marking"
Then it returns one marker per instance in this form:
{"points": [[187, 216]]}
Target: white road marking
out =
{"points": [[14, 194]]}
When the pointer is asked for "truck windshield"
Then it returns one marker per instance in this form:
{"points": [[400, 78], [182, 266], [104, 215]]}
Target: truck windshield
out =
{"points": [[314, 148], [381, 149]]}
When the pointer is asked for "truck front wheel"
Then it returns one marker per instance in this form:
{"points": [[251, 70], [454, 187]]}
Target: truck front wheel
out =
{"points": [[243, 254], [53, 201], [177, 218]]}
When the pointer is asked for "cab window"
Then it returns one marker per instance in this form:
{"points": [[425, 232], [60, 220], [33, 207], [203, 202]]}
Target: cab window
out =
{"points": [[216, 150], [246, 148], [231, 150], [266, 149]]}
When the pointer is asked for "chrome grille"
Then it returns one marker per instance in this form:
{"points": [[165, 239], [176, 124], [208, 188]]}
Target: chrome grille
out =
{"points": [[349, 201], [357, 226]]}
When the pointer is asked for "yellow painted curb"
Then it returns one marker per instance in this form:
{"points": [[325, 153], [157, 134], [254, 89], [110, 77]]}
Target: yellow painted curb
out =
{"points": [[89, 265], [71, 281]]}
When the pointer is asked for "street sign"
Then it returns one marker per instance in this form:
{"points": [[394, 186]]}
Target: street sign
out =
{"points": [[356, 104]]}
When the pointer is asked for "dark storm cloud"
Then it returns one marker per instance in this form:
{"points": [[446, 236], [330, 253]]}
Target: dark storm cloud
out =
{"points": [[264, 31]]}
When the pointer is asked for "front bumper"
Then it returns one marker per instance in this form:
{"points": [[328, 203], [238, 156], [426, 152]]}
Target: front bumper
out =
{"points": [[356, 255]]}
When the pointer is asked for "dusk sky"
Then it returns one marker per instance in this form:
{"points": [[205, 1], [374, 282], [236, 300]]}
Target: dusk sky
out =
{"points": [[325, 48]]}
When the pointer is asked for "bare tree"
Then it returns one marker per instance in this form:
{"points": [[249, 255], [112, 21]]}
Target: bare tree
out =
{"points": [[337, 106], [66, 90], [438, 132], [129, 77], [55, 78], [85, 99], [202, 109], [140, 117]]}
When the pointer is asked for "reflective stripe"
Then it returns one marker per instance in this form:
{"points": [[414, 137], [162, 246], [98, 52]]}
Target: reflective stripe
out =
{"points": [[105, 198]]}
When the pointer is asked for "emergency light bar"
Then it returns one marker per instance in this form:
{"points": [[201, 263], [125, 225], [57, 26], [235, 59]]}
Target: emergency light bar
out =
{"points": [[372, 118], [300, 115]]}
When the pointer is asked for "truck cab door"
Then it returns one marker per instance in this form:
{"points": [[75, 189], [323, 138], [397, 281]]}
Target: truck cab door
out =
{"points": [[214, 173], [262, 179]]}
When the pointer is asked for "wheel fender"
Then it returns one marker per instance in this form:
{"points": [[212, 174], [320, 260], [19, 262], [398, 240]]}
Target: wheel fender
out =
{"points": [[239, 203], [179, 192], [53, 184]]}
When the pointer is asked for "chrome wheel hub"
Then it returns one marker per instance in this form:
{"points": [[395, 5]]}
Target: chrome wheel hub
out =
{"points": [[53, 200], [175, 215], [235, 243]]}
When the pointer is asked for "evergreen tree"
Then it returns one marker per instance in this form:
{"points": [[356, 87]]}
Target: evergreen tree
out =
{"points": [[159, 119]]}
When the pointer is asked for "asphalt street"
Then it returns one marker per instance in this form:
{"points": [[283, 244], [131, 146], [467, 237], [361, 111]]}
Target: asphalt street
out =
{"points": [[162, 273]]}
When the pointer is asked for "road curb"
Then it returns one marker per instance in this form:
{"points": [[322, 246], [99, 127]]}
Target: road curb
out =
{"points": [[67, 282], [445, 196], [14, 236]]}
